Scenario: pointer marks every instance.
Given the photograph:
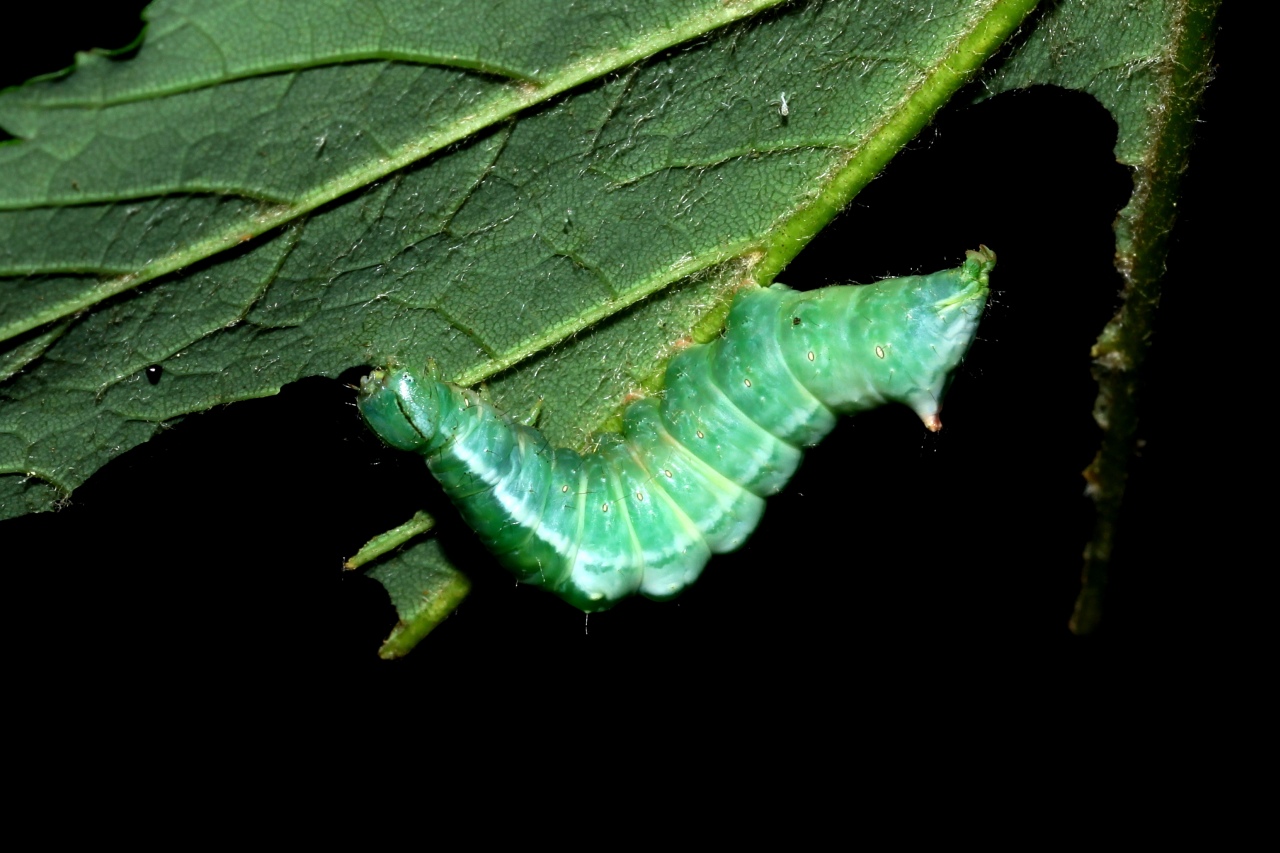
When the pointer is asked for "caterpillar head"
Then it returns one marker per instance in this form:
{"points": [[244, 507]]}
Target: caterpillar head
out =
{"points": [[395, 406]]}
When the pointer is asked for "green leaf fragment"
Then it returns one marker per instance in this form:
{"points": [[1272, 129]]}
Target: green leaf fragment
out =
{"points": [[424, 588], [384, 543], [1148, 65]]}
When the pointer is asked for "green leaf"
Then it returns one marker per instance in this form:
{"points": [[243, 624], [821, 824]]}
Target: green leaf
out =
{"points": [[386, 542], [424, 588], [548, 198], [1149, 67]]}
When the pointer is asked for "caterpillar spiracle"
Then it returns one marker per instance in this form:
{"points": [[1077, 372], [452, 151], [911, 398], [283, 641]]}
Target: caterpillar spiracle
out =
{"points": [[688, 475]]}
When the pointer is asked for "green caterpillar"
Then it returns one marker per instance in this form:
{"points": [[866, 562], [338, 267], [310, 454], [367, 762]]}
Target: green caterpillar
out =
{"points": [[688, 475]]}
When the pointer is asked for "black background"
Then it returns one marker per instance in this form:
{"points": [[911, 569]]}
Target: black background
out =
{"points": [[900, 569]]}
